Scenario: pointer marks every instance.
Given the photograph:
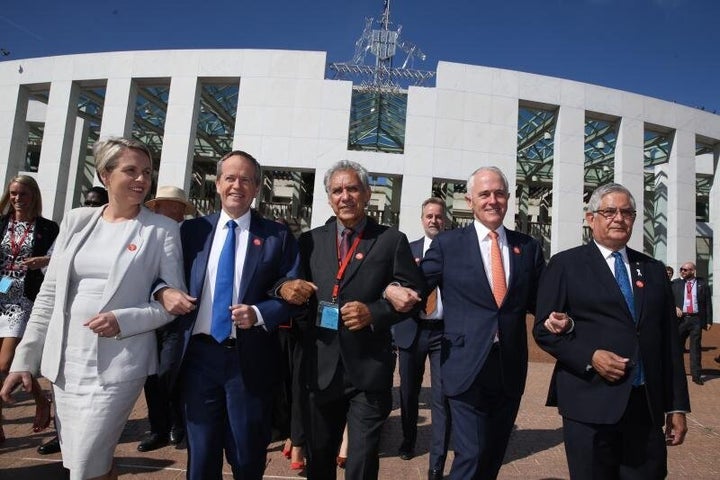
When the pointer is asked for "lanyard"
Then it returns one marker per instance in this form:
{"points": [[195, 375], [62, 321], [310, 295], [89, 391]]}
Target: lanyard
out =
{"points": [[16, 246], [343, 267]]}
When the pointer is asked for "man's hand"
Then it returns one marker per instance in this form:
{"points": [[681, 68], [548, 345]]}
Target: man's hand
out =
{"points": [[175, 301], [608, 365], [678, 312], [33, 263], [401, 298], [104, 325], [14, 380], [675, 429], [243, 316], [297, 292], [708, 326], [355, 315], [558, 323]]}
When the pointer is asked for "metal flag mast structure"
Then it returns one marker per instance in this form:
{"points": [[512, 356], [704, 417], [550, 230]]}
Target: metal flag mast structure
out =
{"points": [[383, 43]]}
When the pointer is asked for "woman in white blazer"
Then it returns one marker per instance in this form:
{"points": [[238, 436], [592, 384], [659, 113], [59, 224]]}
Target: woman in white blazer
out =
{"points": [[91, 331]]}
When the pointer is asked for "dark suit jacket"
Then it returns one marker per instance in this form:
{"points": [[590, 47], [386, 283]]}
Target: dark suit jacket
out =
{"points": [[382, 256], [271, 254], [704, 298], [454, 263], [579, 282], [405, 331], [43, 237]]}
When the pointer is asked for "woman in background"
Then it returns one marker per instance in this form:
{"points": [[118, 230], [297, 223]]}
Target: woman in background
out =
{"points": [[24, 242], [92, 328]]}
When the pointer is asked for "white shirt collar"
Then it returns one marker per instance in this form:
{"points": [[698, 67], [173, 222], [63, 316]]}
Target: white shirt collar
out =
{"points": [[482, 231], [607, 252], [243, 221]]}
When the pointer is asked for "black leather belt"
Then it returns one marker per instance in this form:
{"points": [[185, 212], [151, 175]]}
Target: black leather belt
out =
{"points": [[436, 324], [684, 315], [205, 338]]}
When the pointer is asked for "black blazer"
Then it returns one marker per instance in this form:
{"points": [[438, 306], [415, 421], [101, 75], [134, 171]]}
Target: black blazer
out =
{"points": [[579, 282], [43, 237], [382, 256], [704, 298]]}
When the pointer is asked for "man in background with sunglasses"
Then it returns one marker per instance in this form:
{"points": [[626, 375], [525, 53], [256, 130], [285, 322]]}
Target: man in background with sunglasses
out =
{"points": [[693, 306]]}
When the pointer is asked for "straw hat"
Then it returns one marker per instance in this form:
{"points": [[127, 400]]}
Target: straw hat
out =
{"points": [[174, 194]]}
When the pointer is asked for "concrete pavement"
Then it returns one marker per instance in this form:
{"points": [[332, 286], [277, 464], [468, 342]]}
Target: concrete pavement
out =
{"points": [[535, 451]]}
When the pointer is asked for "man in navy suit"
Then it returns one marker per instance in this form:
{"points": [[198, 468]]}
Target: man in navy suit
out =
{"points": [[488, 277], [693, 302], [226, 384], [417, 339], [619, 375], [348, 360]]}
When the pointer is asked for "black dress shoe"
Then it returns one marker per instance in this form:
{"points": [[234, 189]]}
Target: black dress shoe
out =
{"points": [[177, 434], [49, 447], [698, 381], [152, 441], [435, 474], [406, 452]]}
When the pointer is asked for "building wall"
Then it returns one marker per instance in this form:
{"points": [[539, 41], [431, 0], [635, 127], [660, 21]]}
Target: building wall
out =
{"points": [[289, 115]]}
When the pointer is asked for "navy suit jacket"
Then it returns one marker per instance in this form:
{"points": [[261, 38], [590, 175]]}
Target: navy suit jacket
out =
{"points": [[471, 316], [405, 332], [382, 257], [271, 254], [704, 298], [579, 282]]}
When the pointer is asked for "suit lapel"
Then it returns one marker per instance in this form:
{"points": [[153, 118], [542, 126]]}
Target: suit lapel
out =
{"points": [[256, 242], [638, 282], [515, 252], [201, 260], [598, 264], [369, 236], [132, 246]]}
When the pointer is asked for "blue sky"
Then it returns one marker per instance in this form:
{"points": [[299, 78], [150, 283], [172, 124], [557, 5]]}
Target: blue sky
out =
{"points": [[662, 48]]}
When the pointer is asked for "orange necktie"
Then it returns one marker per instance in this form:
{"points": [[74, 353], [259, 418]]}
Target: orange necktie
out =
{"points": [[431, 304], [499, 287]]}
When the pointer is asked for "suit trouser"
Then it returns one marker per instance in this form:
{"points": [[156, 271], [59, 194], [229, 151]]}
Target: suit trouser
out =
{"points": [[411, 361], [222, 415], [326, 413], [690, 327], [632, 449], [482, 421]]}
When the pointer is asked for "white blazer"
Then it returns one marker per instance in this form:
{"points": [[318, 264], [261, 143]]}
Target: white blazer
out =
{"points": [[153, 251]]}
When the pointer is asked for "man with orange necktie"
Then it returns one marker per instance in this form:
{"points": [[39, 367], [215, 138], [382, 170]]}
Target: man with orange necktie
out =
{"points": [[488, 276]]}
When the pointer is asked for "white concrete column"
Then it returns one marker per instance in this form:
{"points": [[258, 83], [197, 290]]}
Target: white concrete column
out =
{"points": [[681, 246], [180, 130], [321, 208], [78, 176], [13, 130], [715, 226], [568, 179], [118, 108], [416, 189], [629, 167], [57, 143]]}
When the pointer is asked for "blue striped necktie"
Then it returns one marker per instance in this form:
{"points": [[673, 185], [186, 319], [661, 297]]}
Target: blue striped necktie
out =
{"points": [[223, 296]]}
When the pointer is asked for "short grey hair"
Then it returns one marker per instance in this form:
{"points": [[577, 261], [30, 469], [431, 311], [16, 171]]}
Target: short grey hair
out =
{"points": [[471, 179], [108, 151], [258, 170], [608, 188], [343, 165]]}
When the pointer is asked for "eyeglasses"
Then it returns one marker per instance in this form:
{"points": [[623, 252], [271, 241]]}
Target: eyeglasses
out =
{"points": [[609, 213], [686, 269], [90, 203]]}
